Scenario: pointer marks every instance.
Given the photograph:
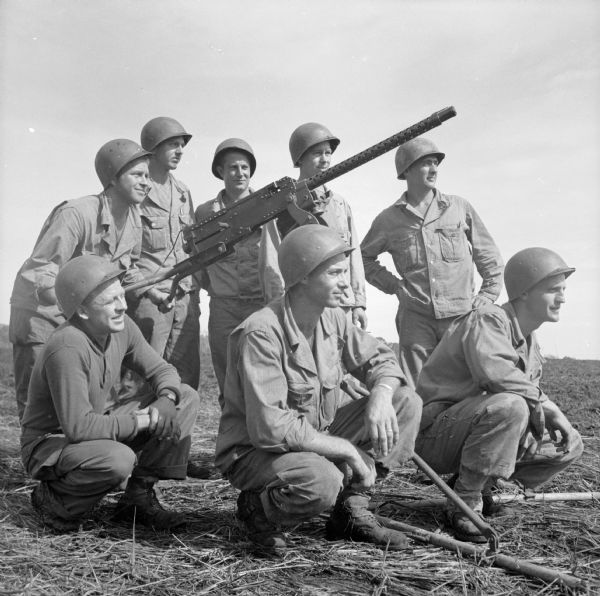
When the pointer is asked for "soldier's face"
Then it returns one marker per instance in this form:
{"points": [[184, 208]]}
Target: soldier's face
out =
{"points": [[133, 183], [315, 159], [235, 171], [423, 172], [168, 154], [326, 284], [544, 300], [104, 311]]}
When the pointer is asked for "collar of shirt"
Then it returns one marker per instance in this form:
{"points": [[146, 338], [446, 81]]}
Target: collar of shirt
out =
{"points": [[301, 351], [517, 337], [220, 203], [442, 200], [110, 232], [178, 191]]}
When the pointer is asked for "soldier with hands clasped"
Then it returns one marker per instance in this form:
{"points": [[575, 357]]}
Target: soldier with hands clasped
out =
{"points": [[78, 446]]}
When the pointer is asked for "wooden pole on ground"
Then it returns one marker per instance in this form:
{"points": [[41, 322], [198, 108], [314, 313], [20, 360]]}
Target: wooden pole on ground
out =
{"points": [[481, 554]]}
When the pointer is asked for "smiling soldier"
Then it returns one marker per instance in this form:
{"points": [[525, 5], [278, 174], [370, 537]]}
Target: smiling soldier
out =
{"points": [[485, 416], [311, 148], [236, 283], [284, 438], [77, 448], [107, 225], [434, 240]]}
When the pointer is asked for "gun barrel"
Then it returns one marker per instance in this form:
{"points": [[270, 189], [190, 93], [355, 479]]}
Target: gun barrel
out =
{"points": [[436, 119]]}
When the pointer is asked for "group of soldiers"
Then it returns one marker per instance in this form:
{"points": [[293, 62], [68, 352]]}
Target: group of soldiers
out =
{"points": [[314, 409]]}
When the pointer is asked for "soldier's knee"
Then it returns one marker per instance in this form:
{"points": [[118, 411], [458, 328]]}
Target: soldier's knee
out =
{"points": [[407, 403], [516, 407], [327, 482], [507, 411], [120, 462], [189, 399], [575, 448]]}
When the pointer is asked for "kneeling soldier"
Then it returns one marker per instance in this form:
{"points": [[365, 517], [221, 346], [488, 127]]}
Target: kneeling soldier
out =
{"points": [[283, 439], [78, 450], [485, 416]]}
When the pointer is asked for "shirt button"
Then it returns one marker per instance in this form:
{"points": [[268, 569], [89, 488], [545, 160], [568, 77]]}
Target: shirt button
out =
{"points": [[431, 262], [433, 279]]}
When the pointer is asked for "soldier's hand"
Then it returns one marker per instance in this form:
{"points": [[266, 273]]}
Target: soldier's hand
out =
{"points": [[359, 317], [363, 470], [555, 421], [166, 427], [381, 423], [158, 297], [528, 447]]}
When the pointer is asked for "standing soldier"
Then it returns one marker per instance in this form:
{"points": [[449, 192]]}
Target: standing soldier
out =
{"points": [[236, 284], [107, 224], [77, 448], [434, 239], [170, 326], [311, 147], [284, 438], [485, 416]]}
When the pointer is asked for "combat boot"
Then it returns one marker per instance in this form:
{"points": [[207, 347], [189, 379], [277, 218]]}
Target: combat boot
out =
{"points": [[260, 530], [140, 502], [51, 511], [352, 520], [464, 529], [195, 470]]}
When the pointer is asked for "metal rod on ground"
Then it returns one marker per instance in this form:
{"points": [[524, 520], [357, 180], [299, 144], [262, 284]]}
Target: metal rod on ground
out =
{"points": [[479, 553], [507, 499], [480, 524]]}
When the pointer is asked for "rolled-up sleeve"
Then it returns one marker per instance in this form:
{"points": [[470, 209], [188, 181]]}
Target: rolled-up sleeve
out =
{"points": [[369, 359], [271, 425]]}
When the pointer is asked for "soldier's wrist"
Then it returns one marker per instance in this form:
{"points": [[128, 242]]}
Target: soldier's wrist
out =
{"points": [[170, 395]]}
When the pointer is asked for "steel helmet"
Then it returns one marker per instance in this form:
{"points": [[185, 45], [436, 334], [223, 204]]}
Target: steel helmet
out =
{"points": [[78, 278], [414, 150], [113, 156], [307, 135], [160, 129], [233, 145], [305, 248], [529, 267]]}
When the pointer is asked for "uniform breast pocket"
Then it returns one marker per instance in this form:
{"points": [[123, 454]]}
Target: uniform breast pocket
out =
{"points": [[330, 394], [155, 233], [301, 398], [452, 244], [406, 252]]}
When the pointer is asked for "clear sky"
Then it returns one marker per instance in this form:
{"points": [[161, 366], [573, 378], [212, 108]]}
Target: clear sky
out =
{"points": [[524, 77]]}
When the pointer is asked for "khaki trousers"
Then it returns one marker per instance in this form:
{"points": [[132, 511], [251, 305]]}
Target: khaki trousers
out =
{"points": [[296, 486], [80, 474]]}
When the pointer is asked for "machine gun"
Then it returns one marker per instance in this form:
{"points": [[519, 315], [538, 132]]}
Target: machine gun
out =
{"points": [[215, 236]]}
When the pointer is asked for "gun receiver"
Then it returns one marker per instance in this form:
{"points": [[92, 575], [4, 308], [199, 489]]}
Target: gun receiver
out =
{"points": [[214, 237]]}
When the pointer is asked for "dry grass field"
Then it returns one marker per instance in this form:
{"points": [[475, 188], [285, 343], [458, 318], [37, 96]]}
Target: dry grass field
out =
{"points": [[211, 556]]}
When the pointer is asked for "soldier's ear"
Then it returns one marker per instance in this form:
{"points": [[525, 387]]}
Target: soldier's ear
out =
{"points": [[220, 171], [82, 313]]}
